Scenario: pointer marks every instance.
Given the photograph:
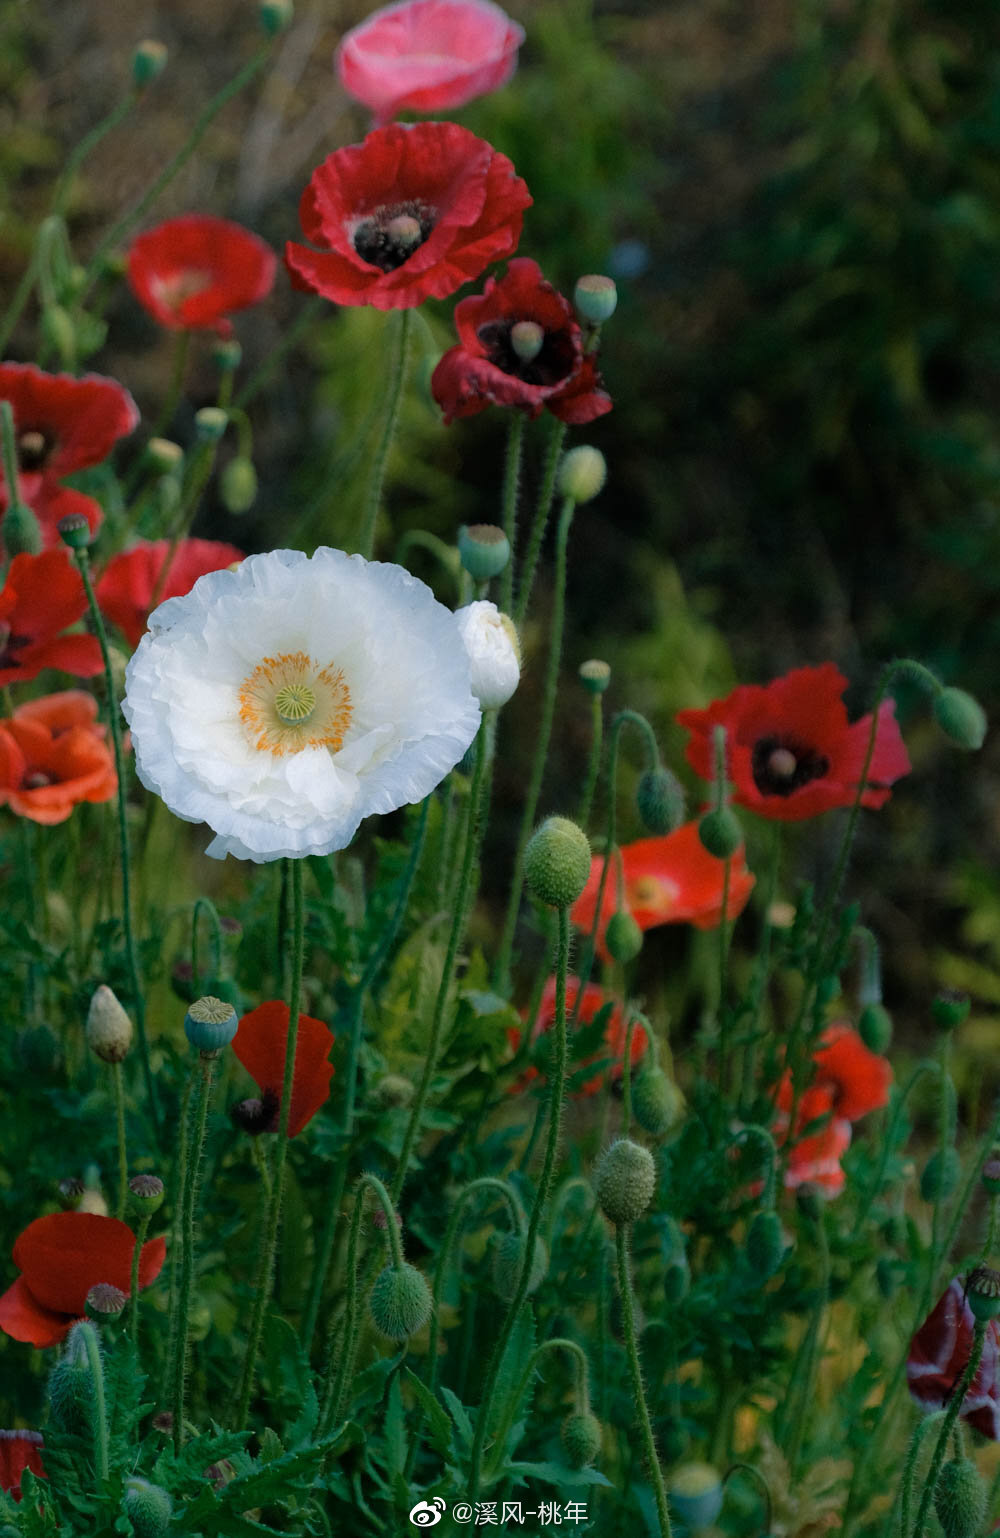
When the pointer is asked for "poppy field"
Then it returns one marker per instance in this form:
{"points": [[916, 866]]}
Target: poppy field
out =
{"points": [[484, 1045]]}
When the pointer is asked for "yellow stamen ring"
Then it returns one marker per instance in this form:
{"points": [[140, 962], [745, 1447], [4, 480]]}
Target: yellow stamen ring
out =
{"points": [[290, 702]]}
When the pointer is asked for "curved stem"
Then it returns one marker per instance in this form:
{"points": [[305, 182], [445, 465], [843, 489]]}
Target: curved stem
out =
{"points": [[910, 1470], [397, 376], [581, 1383], [484, 1183], [90, 141], [638, 1391], [950, 1416], [100, 1408]]}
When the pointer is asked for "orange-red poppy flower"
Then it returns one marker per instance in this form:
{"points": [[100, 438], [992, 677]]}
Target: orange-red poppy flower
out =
{"points": [[594, 999], [53, 756], [60, 1257], [668, 880], [816, 1157], [42, 596], [61, 423], [856, 1079], [19, 1450], [192, 272], [130, 580], [261, 1044]]}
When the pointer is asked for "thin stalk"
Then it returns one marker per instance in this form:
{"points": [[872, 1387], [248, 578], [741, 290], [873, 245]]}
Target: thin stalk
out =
{"points": [[18, 300], [633, 1021], [593, 759], [178, 369], [116, 1076], [89, 142], [511, 488], [543, 508], [762, 965], [950, 1416], [810, 1354], [100, 1407], [133, 1312], [635, 1371], [397, 377], [484, 1183], [910, 1470], [207, 1066]]}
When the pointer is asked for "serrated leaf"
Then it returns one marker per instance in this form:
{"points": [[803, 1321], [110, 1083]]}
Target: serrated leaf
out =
{"points": [[460, 1416], [438, 1425], [556, 1474]]}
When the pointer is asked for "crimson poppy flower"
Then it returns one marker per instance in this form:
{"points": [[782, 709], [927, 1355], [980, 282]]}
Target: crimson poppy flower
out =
{"points": [[60, 1258], [816, 1157], [42, 596], [857, 1079], [61, 423], [938, 1356], [411, 214], [668, 880], [428, 55], [128, 583], [19, 1450], [261, 1043], [53, 756], [594, 1000], [192, 272], [790, 751], [542, 366]]}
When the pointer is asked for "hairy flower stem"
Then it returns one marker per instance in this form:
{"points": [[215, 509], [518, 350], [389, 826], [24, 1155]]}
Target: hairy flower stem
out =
{"points": [[952, 1409], [511, 488], [635, 1370], [557, 1083], [265, 1270], [189, 1200], [581, 1384], [82, 559], [910, 1470], [93, 1346], [338, 1379], [542, 738], [394, 394], [808, 1358], [133, 1311], [593, 760], [762, 968], [543, 508], [517, 1222], [116, 1078]]}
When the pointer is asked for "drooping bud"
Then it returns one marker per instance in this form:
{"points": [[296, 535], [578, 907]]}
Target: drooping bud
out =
{"points": [[508, 1258], [393, 1090], [37, 1049], [765, 1244], [210, 423], [484, 550], [875, 1027], [557, 862], [148, 62], [582, 473], [210, 1024], [400, 1302], [695, 1494], [104, 1302], [595, 298], [660, 798], [960, 1499], [109, 1029], [148, 1508], [961, 717], [720, 833], [527, 338], [625, 1181], [493, 651], [982, 1291], [22, 534], [145, 1195], [623, 937], [950, 1008], [581, 1437], [71, 1385], [595, 675], [59, 332], [940, 1174], [238, 484], [657, 1103]]}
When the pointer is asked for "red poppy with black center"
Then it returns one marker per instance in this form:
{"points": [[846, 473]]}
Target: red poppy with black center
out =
{"points": [[53, 755], [261, 1044], [192, 272], [668, 880], [593, 1001], [791, 752], [519, 345], [131, 580], [19, 1450], [42, 596], [60, 1257], [938, 1356], [411, 214], [61, 423]]}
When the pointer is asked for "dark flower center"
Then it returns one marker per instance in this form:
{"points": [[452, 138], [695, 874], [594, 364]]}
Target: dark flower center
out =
{"points": [[780, 766], [36, 779], [33, 448], [554, 361], [256, 1116], [389, 236], [10, 644]]}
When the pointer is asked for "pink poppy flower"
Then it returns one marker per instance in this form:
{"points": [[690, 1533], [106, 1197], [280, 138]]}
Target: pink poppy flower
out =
{"points": [[939, 1353], [428, 55]]}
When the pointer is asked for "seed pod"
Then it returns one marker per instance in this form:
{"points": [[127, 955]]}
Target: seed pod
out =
{"points": [[720, 833], [695, 1494], [148, 1508], [400, 1302], [659, 799], [961, 718], [657, 1103], [875, 1027], [557, 862], [623, 937], [210, 1024], [625, 1181], [960, 1499]]}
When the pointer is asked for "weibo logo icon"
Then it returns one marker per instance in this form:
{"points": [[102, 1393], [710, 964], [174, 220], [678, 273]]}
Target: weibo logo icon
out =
{"points": [[428, 1513]]}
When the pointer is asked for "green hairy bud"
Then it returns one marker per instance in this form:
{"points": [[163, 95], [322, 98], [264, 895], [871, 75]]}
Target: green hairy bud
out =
{"points": [[148, 1508], [581, 1438], [657, 1103], [400, 1302], [557, 862], [508, 1258], [625, 1181], [960, 1499]]}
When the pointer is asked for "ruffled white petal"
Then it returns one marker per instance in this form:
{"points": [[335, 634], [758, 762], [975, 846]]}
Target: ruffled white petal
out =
{"points": [[490, 643]]}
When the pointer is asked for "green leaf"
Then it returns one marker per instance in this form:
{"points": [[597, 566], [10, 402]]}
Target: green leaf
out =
{"points": [[460, 1416], [438, 1424], [556, 1474]]}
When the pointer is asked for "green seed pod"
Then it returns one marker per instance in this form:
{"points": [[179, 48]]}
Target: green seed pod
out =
{"points": [[508, 1258], [227, 354], [695, 1494], [145, 1195], [982, 1292], [275, 16], [104, 1302], [582, 473], [484, 550], [109, 1029], [400, 1302], [148, 1508], [164, 455], [210, 423], [595, 298], [625, 1181], [595, 675], [941, 1174], [557, 862], [71, 1386], [875, 1027], [720, 833], [148, 61], [623, 937], [657, 1103], [765, 1244], [950, 1008], [238, 484], [659, 799], [581, 1437], [210, 1024], [960, 1499], [961, 718]]}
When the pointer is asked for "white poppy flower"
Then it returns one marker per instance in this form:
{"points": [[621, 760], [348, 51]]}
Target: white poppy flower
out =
{"points": [[283, 701], [491, 643]]}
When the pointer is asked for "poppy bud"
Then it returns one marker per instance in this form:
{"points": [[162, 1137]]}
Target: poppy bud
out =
{"points": [[580, 1434], [211, 422], [875, 1027], [765, 1243], [940, 1175], [238, 484], [696, 1494], [595, 675], [659, 798], [148, 62], [210, 1024], [677, 1280], [71, 1384], [656, 1102], [394, 1090], [145, 1195], [950, 1008], [275, 16], [400, 1302], [595, 298], [720, 833], [625, 1181], [982, 1291], [20, 529], [148, 1508], [59, 332], [227, 354], [109, 1029], [493, 650], [961, 718], [508, 1258], [960, 1499], [557, 862], [163, 455], [104, 1302], [623, 937], [527, 338], [484, 550], [582, 473]]}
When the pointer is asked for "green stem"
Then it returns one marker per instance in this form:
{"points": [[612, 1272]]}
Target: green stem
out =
{"points": [[581, 1385], [89, 142], [950, 1416], [205, 904], [18, 300], [593, 759], [544, 507], [762, 966], [330, 1410], [635, 1371], [100, 1408], [265, 1273], [484, 1183], [633, 1021], [809, 1355], [910, 1470], [133, 1313], [397, 376], [190, 1205], [116, 1076], [511, 487]]}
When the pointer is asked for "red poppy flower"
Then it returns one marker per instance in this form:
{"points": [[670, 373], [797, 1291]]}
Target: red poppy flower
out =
{"points": [[260, 1044], [191, 273], [939, 1354], [53, 756], [485, 369], [668, 880], [60, 1258], [19, 1450], [816, 1157], [411, 214], [61, 423], [130, 580], [594, 1000], [43, 594], [51, 501], [856, 1079], [791, 753], [428, 55]]}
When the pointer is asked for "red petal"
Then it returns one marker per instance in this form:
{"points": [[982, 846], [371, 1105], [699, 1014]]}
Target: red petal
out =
{"points": [[61, 1256], [860, 1079], [23, 1318], [193, 271], [19, 1450], [261, 1043]]}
